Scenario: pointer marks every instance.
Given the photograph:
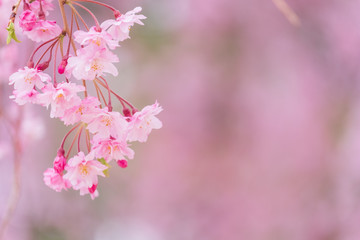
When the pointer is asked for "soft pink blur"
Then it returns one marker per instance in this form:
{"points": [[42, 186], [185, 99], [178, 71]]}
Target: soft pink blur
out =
{"points": [[260, 137]]}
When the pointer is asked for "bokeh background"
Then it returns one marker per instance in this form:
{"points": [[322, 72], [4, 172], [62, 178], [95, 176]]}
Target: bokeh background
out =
{"points": [[260, 137]]}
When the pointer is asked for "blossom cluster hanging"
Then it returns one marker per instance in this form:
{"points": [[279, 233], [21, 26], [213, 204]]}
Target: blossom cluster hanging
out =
{"points": [[85, 58]]}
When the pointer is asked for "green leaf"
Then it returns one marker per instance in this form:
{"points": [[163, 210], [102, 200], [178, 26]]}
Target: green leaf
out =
{"points": [[106, 171], [11, 33]]}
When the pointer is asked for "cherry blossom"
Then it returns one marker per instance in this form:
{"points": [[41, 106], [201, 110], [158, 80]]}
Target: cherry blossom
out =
{"points": [[120, 28], [22, 97], [87, 107], [100, 39], [143, 122], [83, 171], [27, 20], [55, 180], [101, 129], [91, 62], [90, 190], [62, 97], [28, 78], [107, 124], [43, 30], [46, 6], [111, 148], [59, 163]]}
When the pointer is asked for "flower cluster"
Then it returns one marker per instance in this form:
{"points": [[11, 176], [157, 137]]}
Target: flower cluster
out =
{"points": [[106, 134], [33, 21]]}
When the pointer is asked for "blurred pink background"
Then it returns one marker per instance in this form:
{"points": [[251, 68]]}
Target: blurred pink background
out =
{"points": [[260, 137]]}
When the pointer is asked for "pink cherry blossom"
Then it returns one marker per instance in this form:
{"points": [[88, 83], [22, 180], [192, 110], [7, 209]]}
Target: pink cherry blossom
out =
{"points": [[28, 78], [45, 4], [27, 20], [61, 98], [59, 163], [93, 191], [83, 171], [43, 31], [53, 177], [83, 55], [111, 148], [88, 106], [141, 123], [120, 28], [105, 124], [90, 190], [55, 180], [91, 62], [22, 97], [100, 39]]}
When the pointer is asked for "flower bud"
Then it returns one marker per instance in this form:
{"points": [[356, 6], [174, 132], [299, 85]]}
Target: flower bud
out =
{"points": [[43, 66], [41, 14], [27, 20], [92, 189], [62, 65], [59, 164], [61, 152], [26, 6], [122, 163], [30, 64], [126, 112], [117, 14]]}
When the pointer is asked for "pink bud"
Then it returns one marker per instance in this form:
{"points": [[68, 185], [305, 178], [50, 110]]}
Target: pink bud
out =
{"points": [[26, 6], [92, 189], [126, 112], [30, 64], [61, 152], [59, 164], [62, 66], [122, 163], [117, 14], [27, 20], [43, 66], [41, 13]]}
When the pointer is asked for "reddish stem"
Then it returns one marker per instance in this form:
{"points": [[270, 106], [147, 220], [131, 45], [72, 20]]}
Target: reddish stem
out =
{"points": [[97, 93], [79, 16], [99, 3], [109, 93], [56, 49], [72, 144], [87, 140], [116, 95], [78, 144], [103, 98], [76, 21], [32, 55], [71, 130], [49, 48], [71, 32], [98, 28]]}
